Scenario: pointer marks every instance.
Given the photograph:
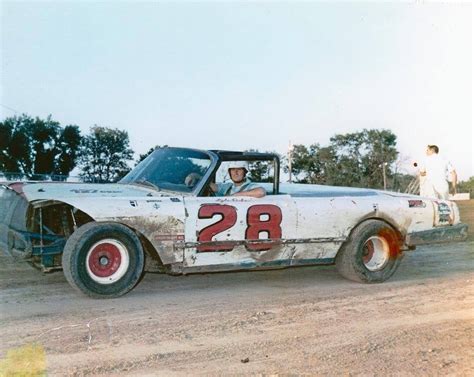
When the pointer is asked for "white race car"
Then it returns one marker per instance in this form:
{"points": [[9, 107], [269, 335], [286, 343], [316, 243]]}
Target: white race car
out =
{"points": [[163, 217]]}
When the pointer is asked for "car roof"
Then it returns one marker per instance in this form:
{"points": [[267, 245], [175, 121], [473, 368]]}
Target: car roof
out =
{"points": [[225, 155]]}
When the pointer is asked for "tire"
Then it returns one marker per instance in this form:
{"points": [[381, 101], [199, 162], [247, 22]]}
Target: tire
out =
{"points": [[371, 254], [103, 260]]}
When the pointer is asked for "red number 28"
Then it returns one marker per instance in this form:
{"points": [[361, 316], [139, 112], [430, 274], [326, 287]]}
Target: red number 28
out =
{"points": [[255, 225]]}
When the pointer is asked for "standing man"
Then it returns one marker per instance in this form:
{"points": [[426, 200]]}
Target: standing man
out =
{"points": [[434, 175], [241, 185]]}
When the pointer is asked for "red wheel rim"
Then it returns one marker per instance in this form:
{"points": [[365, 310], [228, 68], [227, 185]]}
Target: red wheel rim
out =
{"points": [[104, 259]]}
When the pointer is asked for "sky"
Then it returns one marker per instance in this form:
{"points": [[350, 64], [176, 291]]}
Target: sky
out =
{"points": [[241, 75]]}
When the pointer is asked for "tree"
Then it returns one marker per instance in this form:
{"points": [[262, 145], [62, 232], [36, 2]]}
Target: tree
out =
{"points": [[401, 180], [69, 144], [360, 157], [14, 146], [302, 163], [312, 165], [150, 151], [381, 149], [36, 147], [466, 186], [353, 159], [105, 154], [261, 171]]}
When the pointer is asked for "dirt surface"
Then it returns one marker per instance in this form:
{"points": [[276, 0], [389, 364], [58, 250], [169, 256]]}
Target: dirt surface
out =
{"points": [[300, 321], [303, 321]]}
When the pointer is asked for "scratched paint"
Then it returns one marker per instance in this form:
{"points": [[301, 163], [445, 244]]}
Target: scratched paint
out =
{"points": [[241, 250], [163, 232]]}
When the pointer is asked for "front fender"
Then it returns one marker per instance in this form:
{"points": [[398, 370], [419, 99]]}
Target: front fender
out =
{"points": [[159, 219]]}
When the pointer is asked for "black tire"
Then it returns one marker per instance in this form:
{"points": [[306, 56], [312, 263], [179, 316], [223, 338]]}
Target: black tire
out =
{"points": [[103, 260], [371, 254]]}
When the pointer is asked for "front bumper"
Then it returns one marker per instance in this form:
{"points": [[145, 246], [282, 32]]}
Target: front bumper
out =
{"points": [[451, 233]]}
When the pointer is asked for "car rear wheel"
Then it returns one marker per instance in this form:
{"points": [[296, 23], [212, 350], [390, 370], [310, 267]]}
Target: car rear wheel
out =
{"points": [[103, 260], [371, 254]]}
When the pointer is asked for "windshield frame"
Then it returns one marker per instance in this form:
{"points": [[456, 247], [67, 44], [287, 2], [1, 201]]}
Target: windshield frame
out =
{"points": [[214, 159]]}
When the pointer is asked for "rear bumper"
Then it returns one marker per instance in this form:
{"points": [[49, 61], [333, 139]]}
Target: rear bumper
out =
{"points": [[452, 233]]}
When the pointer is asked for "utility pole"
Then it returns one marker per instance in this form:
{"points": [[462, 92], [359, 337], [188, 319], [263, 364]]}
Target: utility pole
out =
{"points": [[384, 164], [290, 158], [384, 176]]}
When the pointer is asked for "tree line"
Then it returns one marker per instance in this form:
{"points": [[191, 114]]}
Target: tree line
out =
{"points": [[37, 148], [359, 159], [367, 158]]}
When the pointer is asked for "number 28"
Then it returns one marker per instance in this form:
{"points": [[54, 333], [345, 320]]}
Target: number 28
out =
{"points": [[255, 225]]}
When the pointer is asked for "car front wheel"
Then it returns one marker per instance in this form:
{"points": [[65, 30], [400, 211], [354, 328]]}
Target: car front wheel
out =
{"points": [[371, 254], [103, 260]]}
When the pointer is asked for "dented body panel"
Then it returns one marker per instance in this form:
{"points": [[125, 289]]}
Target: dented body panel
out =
{"points": [[185, 231], [239, 251]]}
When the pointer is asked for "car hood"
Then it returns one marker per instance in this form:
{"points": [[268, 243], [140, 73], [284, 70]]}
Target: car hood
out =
{"points": [[59, 191]]}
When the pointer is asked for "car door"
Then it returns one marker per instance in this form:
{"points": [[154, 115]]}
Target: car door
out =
{"points": [[227, 233]]}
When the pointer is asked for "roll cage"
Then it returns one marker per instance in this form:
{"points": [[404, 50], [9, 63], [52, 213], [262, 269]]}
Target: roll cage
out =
{"points": [[220, 156]]}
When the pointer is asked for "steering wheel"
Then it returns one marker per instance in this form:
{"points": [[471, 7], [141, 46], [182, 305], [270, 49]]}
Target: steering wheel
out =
{"points": [[192, 179]]}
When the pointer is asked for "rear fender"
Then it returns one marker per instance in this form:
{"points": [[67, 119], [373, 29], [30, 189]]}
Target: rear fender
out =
{"points": [[400, 231]]}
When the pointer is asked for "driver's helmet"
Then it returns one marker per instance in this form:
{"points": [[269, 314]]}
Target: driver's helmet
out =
{"points": [[239, 165]]}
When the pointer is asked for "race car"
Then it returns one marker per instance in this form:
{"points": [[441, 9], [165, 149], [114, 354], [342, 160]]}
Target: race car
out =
{"points": [[164, 217]]}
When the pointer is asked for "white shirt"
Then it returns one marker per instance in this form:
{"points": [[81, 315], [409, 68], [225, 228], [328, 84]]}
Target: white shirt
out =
{"points": [[230, 188], [437, 170]]}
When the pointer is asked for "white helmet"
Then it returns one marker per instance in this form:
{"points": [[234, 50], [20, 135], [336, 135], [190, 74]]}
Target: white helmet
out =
{"points": [[239, 165]]}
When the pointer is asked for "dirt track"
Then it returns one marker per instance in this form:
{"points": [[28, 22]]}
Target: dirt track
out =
{"points": [[296, 321]]}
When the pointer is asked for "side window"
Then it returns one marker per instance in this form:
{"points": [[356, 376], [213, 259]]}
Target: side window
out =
{"points": [[260, 172]]}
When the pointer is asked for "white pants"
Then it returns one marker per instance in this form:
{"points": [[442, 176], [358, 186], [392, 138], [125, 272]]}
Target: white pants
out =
{"points": [[436, 190]]}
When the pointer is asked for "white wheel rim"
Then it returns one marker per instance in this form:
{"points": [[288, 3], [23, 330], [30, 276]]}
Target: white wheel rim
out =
{"points": [[107, 261], [376, 253]]}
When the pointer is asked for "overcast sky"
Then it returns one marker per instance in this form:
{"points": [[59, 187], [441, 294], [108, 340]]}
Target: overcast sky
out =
{"points": [[223, 75]]}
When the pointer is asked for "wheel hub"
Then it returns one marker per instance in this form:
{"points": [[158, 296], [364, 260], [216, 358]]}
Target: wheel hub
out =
{"points": [[104, 259], [376, 253], [107, 261]]}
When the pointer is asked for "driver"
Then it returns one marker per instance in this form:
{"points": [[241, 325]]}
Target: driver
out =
{"points": [[241, 185], [192, 179]]}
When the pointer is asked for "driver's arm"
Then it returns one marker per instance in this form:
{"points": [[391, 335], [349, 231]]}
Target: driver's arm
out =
{"points": [[213, 187], [257, 192]]}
